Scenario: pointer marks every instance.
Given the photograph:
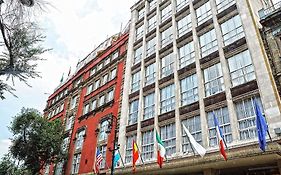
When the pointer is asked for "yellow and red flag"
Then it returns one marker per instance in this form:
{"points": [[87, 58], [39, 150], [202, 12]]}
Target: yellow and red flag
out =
{"points": [[135, 154]]}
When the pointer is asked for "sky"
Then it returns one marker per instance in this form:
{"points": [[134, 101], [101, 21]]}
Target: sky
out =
{"points": [[72, 31]]}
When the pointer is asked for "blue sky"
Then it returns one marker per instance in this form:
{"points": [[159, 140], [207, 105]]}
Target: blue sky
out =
{"points": [[73, 30]]}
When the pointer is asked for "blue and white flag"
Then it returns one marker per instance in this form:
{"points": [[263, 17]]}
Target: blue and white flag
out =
{"points": [[262, 127], [116, 158]]}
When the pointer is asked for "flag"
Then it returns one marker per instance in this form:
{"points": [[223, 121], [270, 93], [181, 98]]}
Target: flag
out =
{"points": [[61, 80], [220, 137], [117, 157], [262, 127], [200, 149], [69, 71], [98, 160], [135, 154], [161, 151]]}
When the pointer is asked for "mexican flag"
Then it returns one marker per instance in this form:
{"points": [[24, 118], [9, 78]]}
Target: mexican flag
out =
{"points": [[160, 150]]}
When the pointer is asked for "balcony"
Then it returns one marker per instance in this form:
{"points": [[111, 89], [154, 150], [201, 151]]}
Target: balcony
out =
{"points": [[270, 16]]}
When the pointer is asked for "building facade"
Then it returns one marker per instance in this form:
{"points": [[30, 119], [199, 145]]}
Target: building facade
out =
{"points": [[88, 103], [187, 59]]}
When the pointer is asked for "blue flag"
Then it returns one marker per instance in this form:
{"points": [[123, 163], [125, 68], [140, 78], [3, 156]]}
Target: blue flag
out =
{"points": [[262, 127], [116, 158]]}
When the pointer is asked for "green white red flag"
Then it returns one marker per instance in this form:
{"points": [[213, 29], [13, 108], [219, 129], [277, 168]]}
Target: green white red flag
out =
{"points": [[161, 151]]}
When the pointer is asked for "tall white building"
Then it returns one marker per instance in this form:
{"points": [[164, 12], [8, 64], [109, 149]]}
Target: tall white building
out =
{"points": [[185, 60]]}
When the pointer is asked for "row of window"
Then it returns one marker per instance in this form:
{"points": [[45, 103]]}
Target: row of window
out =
{"points": [[57, 97], [55, 111], [240, 67], [232, 30], [246, 124]]}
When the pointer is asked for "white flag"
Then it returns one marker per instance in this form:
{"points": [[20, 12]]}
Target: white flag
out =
{"points": [[200, 149]]}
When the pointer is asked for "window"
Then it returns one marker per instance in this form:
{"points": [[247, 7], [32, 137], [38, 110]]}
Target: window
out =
{"points": [[99, 67], [101, 100], [80, 139], [184, 25], [167, 98], [232, 30], [148, 106], [167, 65], [150, 74], [247, 118], [69, 122], [204, 13], [65, 144], [166, 37], [89, 89], [224, 4], [141, 13], [94, 104], [135, 82], [168, 136], [166, 12], [151, 23], [138, 55], [129, 148], [110, 95], [151, 46], [113, 74], [189, 90], [86, 109], [181, 4], [59, 168], [115, 55], [133, 112], [105, 79], [73, 102], [97, 84], [103, 129], [61, 107], [193, 125], [139, 32], [106, 61], [208, 43], [75, 164], [213, 80], [224, 122], [186, 54], [147, 145], [152, 4], [103, 153], [241, 68]]}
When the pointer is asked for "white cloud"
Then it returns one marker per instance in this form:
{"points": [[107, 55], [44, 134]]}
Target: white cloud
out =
{"points": [[4, 146]]}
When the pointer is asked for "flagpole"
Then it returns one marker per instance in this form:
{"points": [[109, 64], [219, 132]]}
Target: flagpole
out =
{"points": [[139, 152], [190, 145], [121, 159]]}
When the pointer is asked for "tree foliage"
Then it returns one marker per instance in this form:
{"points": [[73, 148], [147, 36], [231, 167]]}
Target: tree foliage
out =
{"points": [[8, 166], [20, 42], [36, 141]]}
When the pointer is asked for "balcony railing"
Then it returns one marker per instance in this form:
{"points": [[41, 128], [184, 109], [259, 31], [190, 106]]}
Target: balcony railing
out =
{"points": [[263, 13]]}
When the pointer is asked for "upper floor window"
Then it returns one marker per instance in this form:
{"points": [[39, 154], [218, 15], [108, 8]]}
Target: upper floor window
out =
{"points": [[151, 46], [99, 67], [241, 68], [193, 124], [224, 4], [246, 116], [75, 163], [133, 112], [147, 145], [103, 129], [89, 89], [65, 144], [166, 36], [151, 23], [106, 61], [73, 102], [168, 136], [148, 106], [186, 54], [135, 82], [59, 168], [181, 4], [167, 98], [166, 12], [189, 90], [150, 74], [167, 65], [94, 104], [110, 95], [152, 4], [105, 79], [213, 80], [208, 43], [224, 122], [101, 100], [139, 32], [129, 148], [184, 25], [86, 109], [232, 30], [113, 74], [97, 84], [80, 139], [204, 13], [141, 13], [138, 55]]}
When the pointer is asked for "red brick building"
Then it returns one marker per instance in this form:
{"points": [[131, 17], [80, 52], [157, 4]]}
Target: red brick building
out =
{"points": [[87, 103]]}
